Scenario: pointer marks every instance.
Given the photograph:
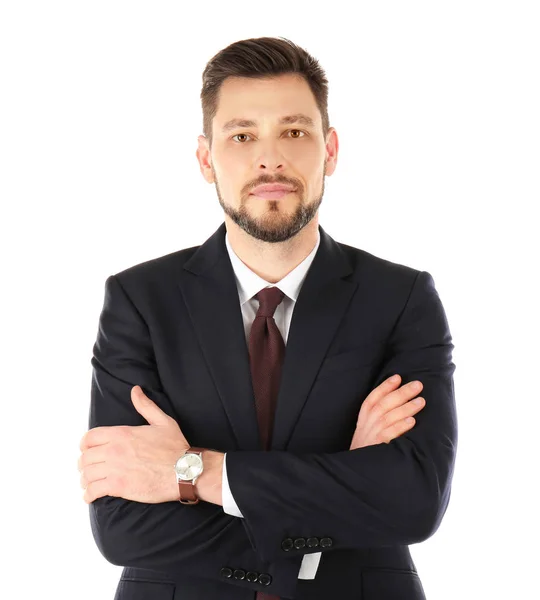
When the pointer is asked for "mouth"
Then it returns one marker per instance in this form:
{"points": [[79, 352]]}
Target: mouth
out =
{"points": [[275, 195]]}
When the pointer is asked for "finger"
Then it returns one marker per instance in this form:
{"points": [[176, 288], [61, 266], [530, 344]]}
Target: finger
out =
{"points": [[400, 396], [99, 435], [402, 412], [382, 390], [96, 454], [96, 489], [93, 472], [396, 430]]}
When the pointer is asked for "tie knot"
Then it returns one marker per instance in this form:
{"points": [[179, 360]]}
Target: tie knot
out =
{"points": [[269, 299]]}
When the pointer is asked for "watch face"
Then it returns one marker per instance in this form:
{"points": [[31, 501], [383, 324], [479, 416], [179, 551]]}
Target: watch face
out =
{"points": [[189, 466]]}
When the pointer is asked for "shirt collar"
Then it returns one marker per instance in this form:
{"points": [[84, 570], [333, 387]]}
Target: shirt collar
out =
{"points": [[249, 283]]}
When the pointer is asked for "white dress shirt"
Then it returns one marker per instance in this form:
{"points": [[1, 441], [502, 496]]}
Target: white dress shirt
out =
{"points": [[249, 284]]}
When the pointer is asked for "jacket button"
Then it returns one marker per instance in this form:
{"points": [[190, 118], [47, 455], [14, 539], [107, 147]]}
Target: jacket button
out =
{"points": [[326, 542], [312, 542], [265, 579], [226, 572], [299, 543], [239, 574], [287, 544], [252, 576]]}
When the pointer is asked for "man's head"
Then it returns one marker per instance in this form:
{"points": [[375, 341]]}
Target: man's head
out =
{"points": [[263, 81]]}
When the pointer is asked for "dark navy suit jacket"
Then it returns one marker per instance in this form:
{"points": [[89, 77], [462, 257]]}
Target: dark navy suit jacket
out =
{"points": [[173, 325]]}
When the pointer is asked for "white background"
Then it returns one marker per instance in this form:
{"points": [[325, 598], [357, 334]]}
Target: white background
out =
{"points": [[436, 105]]}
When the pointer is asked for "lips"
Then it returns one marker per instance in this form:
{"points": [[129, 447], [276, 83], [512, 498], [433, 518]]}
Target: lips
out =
{"points": [[272, 195], [272, 187]]}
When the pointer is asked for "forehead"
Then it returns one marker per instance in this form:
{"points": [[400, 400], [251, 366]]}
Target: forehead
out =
{"points": [[243, 99]]}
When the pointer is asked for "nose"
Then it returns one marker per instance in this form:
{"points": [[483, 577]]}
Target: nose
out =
{"points": [[271, 165], [270, 158]]}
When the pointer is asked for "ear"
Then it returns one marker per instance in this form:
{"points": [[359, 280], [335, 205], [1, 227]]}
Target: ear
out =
{"points": [[205, 159], [332, 149]]}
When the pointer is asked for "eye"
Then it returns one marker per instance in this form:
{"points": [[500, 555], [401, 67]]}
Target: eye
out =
{"points": [[299, 131], [294, 137], [238, 135]]}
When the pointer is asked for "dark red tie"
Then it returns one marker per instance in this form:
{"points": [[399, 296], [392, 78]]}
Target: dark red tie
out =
{"points": [[266, 353]]}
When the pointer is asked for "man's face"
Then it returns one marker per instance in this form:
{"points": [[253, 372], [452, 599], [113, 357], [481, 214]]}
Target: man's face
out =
{"points": [[244, 156]]}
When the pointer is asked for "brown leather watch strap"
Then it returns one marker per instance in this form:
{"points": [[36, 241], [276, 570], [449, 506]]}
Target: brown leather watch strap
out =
{"points": [[187, 488]]}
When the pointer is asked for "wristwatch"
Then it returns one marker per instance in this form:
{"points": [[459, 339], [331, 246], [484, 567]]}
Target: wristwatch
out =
{"points": [[188, 468]]}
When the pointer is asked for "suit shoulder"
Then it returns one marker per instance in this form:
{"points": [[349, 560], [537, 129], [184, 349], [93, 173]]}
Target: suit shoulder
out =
{"points": [[367, 264], [158, 268]]}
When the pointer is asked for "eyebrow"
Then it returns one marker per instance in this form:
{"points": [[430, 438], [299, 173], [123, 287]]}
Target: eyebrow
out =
{"points": [[288, 120]]}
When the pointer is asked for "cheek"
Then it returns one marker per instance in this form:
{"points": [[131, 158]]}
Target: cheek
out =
{"points": [[227, 168], [314, 156], [307, 160]]}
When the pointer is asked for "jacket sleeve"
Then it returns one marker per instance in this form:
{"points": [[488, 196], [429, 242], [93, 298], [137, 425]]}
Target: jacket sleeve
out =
{"points": [[380, 495], [167, 536], [310, 562]]}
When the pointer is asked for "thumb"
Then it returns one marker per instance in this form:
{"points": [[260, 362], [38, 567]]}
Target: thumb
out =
{"points": [[147, 407]]}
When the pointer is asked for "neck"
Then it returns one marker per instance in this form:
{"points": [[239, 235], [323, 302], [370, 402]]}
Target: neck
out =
{"points": [[272, 261]]}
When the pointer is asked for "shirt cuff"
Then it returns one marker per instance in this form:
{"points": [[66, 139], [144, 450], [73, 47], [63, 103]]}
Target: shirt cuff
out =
{"points": [[309, 566], [229, 505]]}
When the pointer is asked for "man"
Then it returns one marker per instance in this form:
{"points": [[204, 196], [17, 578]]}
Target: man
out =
{"points": [[313, 482]]}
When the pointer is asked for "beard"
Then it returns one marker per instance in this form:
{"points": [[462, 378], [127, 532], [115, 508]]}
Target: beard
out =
{"points": [[275, 225]]}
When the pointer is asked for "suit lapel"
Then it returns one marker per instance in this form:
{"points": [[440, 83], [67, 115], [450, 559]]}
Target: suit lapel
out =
{"points": [[209, 288]]}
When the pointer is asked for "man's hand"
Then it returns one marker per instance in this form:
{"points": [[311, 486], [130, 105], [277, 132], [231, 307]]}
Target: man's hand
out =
{"points": [[383, 414], [135, 463]]}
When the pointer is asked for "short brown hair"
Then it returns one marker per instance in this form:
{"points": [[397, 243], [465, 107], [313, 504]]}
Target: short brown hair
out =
{"points": [[259, 58]]}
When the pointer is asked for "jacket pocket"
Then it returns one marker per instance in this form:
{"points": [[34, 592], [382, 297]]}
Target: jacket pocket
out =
{"points": [[390, 584], [140, 589]]}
